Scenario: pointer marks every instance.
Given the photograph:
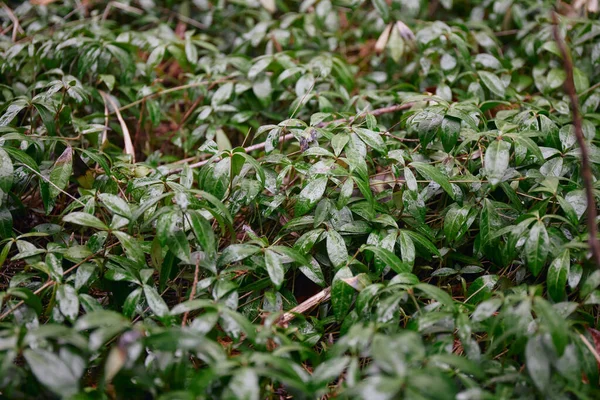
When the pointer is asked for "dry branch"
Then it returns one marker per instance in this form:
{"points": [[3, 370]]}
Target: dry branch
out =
{"points": [[126, 136], [305, 306], [586, 169]]}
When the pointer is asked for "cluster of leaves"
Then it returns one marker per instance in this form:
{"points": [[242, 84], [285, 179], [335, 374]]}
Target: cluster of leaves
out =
{"points": [[414, 166]]}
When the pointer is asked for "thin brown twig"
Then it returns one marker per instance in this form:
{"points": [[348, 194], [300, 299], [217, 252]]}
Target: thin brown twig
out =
{"points": [[590, 89], [173, 89], [129, 149], [15, 21], [586, 170], [306, 305], [590, 347], [290, 136]]}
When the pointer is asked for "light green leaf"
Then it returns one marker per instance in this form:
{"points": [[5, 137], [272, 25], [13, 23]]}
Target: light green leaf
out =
{"points": [[382, 7], [274, 267], [115, 204], [132, 248], [557, 326], [456, 222], [389, 259], [68, 302], [422, 241], [537, 247], [6, 172], [336, 249], [497, 156], [556, 280], [203, 232], [492, 82], [371, 138], [407, 248], [11, 112], [310, 195], [432, 173], [237, 252], [85, 219], [342, 294], [244, 384], [556, 77], [61, 172], [155, 302], [222, 94], [54, 373]]}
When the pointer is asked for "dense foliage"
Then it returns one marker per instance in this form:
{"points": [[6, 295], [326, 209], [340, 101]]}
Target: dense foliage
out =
{"points": [[175, 176]]}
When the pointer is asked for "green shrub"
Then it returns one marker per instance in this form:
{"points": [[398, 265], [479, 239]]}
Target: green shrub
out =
{"points": [[317, 199]]}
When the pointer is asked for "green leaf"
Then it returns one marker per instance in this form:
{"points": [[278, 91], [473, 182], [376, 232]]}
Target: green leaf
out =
{"points": [[456, 222], [68, 302], [313, 272], [245, 385], [590, 284], [310, 195], [422, 241], [450, 132], [433, 292], [60, 377], [304, 85], [61, 172], [382, 7], [407, 248], [497, 156], [155, 56], [488, 222], [237, 252], [371, 138], [116, 205], [481, 288], [85, 219], [581, 80], [432, 173], [342, 294], [336, 249], [290, 253], [222, 94], [179, 245], [486, 309], [6, 224], [538, 362], [345, 192], [492, 82], [6, 171], [13, 109], [47, 113], [203, 232], [262, 88], [22, 158], [132, 248], [557, 326], [558, 271], [329, 370], [537, 247], [155, 302], [274, 268], [556, 77], [389, 259], [27, 296]]}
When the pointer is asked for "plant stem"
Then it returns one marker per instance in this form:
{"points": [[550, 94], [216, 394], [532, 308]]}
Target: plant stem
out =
{"points": [[586, 170]]}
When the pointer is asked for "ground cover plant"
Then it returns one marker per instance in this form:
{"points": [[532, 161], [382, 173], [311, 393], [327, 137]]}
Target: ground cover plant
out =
{"points": [[276, 199]]}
